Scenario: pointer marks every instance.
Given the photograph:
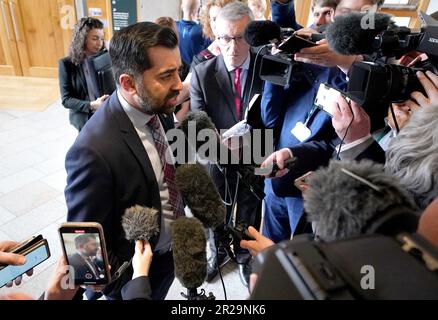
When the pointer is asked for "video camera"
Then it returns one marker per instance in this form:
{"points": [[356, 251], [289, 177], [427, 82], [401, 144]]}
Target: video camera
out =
{"points": [[376, 83], [280, 68], [369, 267]]}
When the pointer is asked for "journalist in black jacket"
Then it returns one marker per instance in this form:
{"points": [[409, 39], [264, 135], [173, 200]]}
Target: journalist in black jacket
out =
{"points": [[77, 92]]}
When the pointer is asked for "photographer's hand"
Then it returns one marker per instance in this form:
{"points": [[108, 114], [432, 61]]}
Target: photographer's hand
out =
{"points": [[259, 244], [322, 55], [7, 258], [429, 82], [278, 157], [350, 120]]}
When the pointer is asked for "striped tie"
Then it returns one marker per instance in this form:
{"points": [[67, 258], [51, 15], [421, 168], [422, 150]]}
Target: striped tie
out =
{"points": [[161, 144]]}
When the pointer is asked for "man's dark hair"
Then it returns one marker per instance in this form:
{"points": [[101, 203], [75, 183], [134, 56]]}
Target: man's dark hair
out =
{"points": [[325, 3], [129, 47], [83, 239]]}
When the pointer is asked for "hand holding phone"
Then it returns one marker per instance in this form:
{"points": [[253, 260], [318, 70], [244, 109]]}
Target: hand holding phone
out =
{"points": [[21, 258], [327, 97], [83, 244]]}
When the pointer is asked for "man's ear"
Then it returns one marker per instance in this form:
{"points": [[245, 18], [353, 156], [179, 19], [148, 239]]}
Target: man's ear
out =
{"points": [[127, 83]]}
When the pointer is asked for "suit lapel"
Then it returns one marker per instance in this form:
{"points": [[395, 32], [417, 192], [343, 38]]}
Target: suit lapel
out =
{"points": [[224, 83], [131, 138]]}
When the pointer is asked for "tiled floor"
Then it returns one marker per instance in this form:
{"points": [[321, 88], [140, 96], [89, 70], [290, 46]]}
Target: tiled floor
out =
{"points": [[32, 179]]}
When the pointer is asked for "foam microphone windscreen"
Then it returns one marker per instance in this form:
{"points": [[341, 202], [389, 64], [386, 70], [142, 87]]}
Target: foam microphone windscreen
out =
{"points": [[259, 33], [202, 135], [200, 194], [198, 118], [343, 205], [140, 223], [189, 252], [354, 33]]}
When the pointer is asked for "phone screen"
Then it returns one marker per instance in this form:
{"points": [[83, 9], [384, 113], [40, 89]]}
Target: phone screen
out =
{"points": [[295, 43], [85, 255], [325, 98], [33, 258]]}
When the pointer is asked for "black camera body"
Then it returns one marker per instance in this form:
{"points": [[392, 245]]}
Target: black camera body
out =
{"points": [[280, 68], [373, 84], [370, 267]]}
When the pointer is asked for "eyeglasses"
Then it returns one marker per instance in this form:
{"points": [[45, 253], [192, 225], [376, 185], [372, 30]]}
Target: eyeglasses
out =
{"points": [[226, 40]]}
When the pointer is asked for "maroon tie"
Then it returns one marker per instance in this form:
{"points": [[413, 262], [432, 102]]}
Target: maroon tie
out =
{"points": [[238, 88], [161, 144]]}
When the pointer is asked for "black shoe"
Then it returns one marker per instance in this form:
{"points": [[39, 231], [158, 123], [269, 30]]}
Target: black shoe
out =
{"points": [[244, 273], [212, 268]]}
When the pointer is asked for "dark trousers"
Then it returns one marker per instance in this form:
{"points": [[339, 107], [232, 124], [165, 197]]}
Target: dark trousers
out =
{"points": [[248, 205]]}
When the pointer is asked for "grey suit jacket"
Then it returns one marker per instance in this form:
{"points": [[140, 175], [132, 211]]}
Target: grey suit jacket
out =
{"points": [[211, 90]]}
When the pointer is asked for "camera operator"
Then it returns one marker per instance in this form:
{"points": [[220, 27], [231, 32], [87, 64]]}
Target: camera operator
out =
{"points": [[322, 54], [413, 158]]}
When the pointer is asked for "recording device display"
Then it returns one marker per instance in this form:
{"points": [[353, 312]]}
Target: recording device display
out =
{"points": [[36, 250], [326, 96], [295, 43], [302, 182], [84, 248]]}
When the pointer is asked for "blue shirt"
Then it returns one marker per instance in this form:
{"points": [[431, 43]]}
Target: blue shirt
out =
{"points": [[191, 40]]}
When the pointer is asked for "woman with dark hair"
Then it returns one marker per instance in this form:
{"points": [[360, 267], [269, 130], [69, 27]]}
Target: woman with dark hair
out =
{"points": [[78, 84]]}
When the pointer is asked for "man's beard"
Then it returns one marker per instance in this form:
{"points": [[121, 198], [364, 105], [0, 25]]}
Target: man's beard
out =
{"points": [[148, 105]]}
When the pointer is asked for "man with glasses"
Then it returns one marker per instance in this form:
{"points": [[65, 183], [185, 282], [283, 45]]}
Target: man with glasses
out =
{"points": [[223, 87]]}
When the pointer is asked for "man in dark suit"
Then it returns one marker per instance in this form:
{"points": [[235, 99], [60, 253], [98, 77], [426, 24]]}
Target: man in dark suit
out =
{"points": [[84, 260], [119, 158], [223, 87]]}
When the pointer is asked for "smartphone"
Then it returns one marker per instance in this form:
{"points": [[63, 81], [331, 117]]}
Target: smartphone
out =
{"points": [[302, 182], [326, 96], [295, 43], [83, 244], [36, 250]]}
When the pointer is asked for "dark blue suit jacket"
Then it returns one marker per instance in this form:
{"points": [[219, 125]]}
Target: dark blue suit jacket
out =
{"points": [[109, 171]]}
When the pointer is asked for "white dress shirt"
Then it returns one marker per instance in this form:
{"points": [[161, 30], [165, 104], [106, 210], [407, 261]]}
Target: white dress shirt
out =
{"points": [[140, 120]]}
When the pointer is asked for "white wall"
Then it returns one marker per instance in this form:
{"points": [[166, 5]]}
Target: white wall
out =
{"points": [[149, 10], [433, 7]]}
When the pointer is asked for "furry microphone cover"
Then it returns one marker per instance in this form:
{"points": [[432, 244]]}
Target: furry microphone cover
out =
{"points": [[341, 206], [189, 252], [200, 194], [140, 223]]}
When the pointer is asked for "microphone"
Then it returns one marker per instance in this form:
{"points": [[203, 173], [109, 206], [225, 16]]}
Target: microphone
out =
{"points": [[350, 33], [192, 125], [141, 223], [200, 194], [259, 33], [349, 198], [189, 255]]}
